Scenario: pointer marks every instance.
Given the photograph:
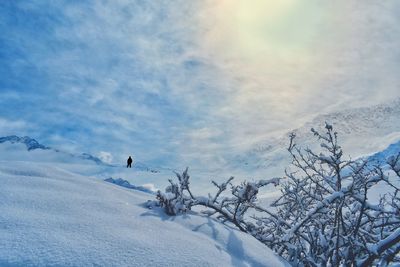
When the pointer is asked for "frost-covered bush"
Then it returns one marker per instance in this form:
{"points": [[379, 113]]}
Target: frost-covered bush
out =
{"points": [[175, 200], [227, 207], [324, 217]]}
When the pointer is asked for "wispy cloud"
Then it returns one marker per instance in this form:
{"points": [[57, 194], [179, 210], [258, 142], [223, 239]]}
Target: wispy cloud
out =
{"points": [[188, 82]]}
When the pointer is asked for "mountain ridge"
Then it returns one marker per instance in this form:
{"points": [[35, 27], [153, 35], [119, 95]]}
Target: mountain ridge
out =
{"points": [[361, 131], [32, 144]]}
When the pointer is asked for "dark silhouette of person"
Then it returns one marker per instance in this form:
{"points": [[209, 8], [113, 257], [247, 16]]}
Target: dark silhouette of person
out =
{"points": [[129, 162]]}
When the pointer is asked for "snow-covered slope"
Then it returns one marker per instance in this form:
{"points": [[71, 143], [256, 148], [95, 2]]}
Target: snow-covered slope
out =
{"points": [[26, 149], [32, 144], [382, 156], [362, 131], [50, 216]]}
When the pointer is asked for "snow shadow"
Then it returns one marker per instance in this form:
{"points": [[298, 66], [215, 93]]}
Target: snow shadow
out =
{"points": [[159, 213], [29, 173], [210, 223], [237, 253]]}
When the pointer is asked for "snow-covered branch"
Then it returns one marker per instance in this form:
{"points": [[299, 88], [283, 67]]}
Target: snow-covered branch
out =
{"points": [[178, 198]]}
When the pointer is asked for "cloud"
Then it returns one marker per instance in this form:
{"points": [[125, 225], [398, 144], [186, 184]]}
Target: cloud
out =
{"points": [[150, 187], [189, 82], [8, 127], [104, 73], [105, 156], [323, 57]]}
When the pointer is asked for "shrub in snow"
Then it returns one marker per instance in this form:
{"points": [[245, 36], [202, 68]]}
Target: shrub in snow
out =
{"points": [[178, 198], [323, 216]]}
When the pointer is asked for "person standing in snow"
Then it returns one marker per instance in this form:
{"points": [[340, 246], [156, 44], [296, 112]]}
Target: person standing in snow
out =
{"points": [[129, 162]]}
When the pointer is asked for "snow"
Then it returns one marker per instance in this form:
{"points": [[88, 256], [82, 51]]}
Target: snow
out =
{"points": [[148, 188], [50, 215], [57, 209], [85, 165]]}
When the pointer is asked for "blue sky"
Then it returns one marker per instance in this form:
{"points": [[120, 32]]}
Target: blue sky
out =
{"points": [[188, 82]]}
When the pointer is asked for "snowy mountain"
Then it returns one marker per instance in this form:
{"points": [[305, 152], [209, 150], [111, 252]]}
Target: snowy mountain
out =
{"points": [[382, 156], [32, 144], [29, 142], [26, 149], [361, 131], [52, 216]]}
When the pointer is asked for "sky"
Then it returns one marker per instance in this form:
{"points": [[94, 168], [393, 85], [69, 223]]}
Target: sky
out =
{"points": [[176, 83]]}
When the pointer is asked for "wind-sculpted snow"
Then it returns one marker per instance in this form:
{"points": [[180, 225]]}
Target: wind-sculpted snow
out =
{"points": [[50, 216], [126, 184]]}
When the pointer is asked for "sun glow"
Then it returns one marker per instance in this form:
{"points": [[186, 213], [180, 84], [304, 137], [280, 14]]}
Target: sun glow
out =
{"points": [[256, 20], [265, 47], [263, 26]]}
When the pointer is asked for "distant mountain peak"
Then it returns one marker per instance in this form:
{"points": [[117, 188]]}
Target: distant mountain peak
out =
{"points": [[30, 143], [92, 158]]}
